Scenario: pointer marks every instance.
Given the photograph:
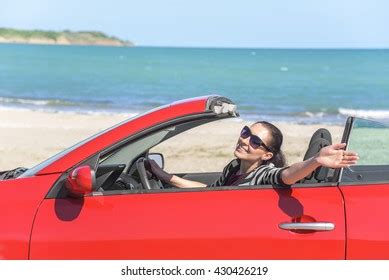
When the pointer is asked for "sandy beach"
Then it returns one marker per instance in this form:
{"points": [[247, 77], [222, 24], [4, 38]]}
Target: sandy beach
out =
{"points": [[29, 137]]}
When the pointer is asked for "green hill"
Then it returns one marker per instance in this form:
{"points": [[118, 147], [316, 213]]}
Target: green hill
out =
{"points": [[66, 37]]}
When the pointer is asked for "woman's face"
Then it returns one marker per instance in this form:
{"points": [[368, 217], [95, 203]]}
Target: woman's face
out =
{"points": [[244, 151]]}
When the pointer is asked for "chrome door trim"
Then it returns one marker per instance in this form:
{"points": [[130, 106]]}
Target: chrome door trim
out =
{"points": [[316, 226]]}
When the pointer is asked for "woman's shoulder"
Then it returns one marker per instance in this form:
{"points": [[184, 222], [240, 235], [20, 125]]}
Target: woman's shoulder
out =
{"points": [[232, 165]]}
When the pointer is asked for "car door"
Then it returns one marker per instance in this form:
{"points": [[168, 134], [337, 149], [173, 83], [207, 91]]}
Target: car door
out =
{"points": [[219, 223], [365, 188]]}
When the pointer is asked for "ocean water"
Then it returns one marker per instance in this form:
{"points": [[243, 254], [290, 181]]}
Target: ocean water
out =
{"points": [[304, 86]]}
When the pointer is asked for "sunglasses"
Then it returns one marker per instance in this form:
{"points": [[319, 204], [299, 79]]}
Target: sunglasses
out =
{"points": [[255, 141]]}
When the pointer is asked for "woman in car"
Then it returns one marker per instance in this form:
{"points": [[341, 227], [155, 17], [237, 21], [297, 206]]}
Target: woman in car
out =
{"points": [[260, 161]]}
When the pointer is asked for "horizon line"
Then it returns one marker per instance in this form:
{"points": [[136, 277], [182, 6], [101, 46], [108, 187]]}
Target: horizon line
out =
{"points": [[266, 48], [208, 47]]}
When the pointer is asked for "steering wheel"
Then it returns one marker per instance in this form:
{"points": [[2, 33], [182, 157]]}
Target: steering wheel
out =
{"points": [[148, 182]]}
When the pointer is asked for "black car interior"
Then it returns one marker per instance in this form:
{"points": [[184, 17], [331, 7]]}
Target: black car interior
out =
{"points": [[365, 173], [111, 177]]}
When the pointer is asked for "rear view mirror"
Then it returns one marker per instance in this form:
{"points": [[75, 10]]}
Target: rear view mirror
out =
{"points": [[158, 158], [81, 181]]}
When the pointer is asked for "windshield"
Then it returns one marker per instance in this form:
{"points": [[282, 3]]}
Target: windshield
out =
{"points": [[129, 152]]}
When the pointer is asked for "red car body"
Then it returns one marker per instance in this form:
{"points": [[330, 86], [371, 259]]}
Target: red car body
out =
{"points": [[219, 223]]}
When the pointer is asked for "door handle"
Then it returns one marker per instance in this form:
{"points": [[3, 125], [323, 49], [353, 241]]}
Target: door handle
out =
{"points": [[317, 226]]}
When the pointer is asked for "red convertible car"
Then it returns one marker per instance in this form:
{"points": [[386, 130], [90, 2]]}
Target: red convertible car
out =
{"points": [[95, 200]]}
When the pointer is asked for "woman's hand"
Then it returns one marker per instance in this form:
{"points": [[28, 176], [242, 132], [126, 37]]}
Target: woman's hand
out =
{"points": [[159, 172], [334, 156]]}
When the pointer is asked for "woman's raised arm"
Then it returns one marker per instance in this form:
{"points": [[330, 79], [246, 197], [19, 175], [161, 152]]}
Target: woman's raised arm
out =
{"points": [[333, 156]]}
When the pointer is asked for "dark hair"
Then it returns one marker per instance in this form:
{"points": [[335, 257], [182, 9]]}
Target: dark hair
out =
{"points": [[278, 158]]}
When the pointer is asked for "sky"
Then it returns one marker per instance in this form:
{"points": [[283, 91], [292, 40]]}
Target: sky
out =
{"points": [[213, 23]]}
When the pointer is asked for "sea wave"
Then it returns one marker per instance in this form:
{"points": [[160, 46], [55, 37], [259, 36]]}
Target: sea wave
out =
{"points": [[370, 114], [88, 107], [248, 112], [36, 102], [298, 118], [70, 112], [313, 114]]}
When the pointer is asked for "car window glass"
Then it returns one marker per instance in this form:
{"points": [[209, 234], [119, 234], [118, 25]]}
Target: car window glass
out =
{"points": [[128, 153], [370, 139]]}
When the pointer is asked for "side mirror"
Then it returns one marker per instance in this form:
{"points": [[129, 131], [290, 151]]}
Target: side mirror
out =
{"points": [[158, 158], [81, 181]]}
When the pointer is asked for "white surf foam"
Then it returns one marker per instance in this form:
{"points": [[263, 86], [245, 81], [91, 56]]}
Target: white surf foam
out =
{"points": [[369, 114], [36, 102]]}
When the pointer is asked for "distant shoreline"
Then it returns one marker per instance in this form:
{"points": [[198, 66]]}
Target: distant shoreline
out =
{"points": [[66, 37]]}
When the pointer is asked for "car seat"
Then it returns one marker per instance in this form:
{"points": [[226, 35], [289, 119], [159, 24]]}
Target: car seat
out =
{"points": [[320, 139]]}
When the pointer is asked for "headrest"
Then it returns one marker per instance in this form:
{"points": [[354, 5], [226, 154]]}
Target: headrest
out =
{"points": [[321, 133], [320, 139]]}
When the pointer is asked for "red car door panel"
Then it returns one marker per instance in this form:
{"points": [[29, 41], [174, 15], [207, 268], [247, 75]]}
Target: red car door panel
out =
{"points": [[365, 189], [19, 200], [367, 209], [207, 224]]}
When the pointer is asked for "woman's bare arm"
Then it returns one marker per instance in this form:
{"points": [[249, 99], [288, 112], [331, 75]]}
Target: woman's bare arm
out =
{"points": [[184, 183], [173, 179]]}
